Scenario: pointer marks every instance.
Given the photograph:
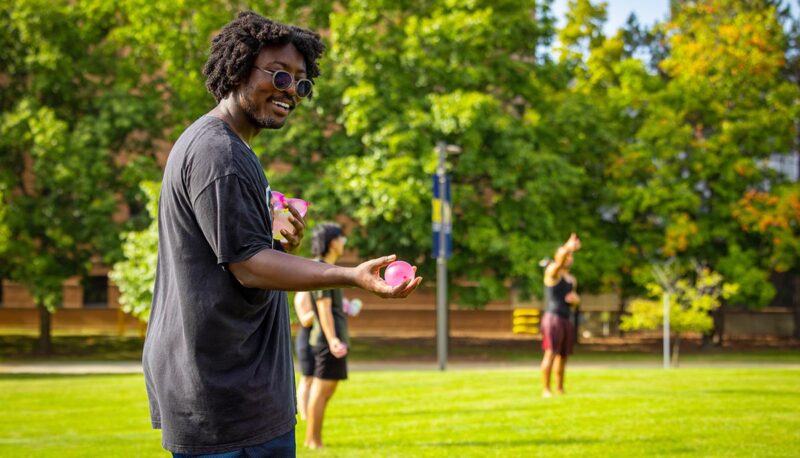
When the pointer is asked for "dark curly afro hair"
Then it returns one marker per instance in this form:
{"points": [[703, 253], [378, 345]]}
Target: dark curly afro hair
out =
{"points": [[235, 49]]}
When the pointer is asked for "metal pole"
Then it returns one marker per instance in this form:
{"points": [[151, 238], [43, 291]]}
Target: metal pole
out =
{"points": [[666, 331], [441, 265]]}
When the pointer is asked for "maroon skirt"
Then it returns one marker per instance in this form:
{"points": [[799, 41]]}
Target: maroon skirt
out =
{"points": [[558, 334]]}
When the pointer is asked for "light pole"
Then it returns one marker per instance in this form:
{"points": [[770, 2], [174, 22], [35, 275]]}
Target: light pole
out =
{"points": [[444, 217], [666, 330]]}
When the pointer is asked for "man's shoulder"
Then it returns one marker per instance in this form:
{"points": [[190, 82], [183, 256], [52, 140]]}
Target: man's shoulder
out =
{"points": [[209, 138], [209, 148]]}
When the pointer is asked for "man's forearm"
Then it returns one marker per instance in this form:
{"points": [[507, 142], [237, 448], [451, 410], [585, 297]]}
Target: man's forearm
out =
{"points": [[271, 269], [326, 322]]}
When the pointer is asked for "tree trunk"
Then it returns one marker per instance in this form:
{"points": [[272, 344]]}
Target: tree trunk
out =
{"points": [[44, 346], [676, 347], [620, 332], [719, 324], [717, 333], [708, 338]]}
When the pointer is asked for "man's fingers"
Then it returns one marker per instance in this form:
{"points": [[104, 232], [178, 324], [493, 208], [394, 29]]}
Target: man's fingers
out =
{"points": [[404, 289], [296, 219], [376, 264], [411, 287], [291, 242], [290, 237], [294, 211], [397, 289]]}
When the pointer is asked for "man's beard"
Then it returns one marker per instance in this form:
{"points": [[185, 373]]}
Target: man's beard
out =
{"points": [[262, 122]]}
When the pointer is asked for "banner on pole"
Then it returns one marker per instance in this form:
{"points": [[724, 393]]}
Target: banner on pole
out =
{"points": [[438, 224]]}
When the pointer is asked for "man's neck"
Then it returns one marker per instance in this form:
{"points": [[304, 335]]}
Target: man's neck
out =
{"points": [[233, 115]]}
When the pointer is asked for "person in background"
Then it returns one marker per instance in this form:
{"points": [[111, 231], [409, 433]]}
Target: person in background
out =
{"points": [[329, 339], [558, 332], [305, 357]]}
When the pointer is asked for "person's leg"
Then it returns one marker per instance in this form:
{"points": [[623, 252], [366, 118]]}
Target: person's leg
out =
{"points": [[321, 392], [560, 366], [547, 366], [303, 392]]}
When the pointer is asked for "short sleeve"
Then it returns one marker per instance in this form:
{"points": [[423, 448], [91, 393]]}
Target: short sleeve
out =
{"points": [[234, 218]]}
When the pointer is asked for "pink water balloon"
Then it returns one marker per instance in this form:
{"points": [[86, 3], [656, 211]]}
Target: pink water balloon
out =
{"points": [[281, 213], [398, 272]]}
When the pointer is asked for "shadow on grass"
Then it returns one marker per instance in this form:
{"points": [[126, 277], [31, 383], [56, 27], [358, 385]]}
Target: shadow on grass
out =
{"points": [[749, 392], [75, 377], [423, 413], [526, 442], [514, 442]]}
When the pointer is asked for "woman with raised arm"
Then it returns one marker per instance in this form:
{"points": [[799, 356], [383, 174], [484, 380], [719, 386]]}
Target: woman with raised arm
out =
{"points": [[558, 332]]}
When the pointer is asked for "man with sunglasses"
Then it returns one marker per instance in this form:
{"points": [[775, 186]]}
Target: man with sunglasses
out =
{"points": [[217, 356]]}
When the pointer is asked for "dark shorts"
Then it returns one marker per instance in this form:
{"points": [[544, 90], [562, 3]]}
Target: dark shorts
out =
{"points": [[558, 334], [327, 366], [280, 447], [305, 356]]}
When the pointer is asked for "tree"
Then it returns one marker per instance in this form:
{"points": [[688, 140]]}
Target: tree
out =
{"points": [[135, 275], [73, 131], [693, 298], [413, 73], [708, 133]]}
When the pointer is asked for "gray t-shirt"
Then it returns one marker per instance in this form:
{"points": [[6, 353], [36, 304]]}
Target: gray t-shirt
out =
{"points": [[217, 356]]}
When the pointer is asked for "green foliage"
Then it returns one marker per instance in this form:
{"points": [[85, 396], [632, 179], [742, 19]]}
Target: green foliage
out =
{"points": [[417, 72], [703, 143], [135, 274], [646, 160], [74, 113], [692, 299]]}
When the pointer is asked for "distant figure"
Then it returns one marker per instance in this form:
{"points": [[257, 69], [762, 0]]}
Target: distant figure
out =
{"points": [[558, 333], [329, 340], [305, 357]]}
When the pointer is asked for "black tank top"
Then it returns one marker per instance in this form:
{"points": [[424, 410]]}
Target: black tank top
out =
{"points": [[555, 298]]}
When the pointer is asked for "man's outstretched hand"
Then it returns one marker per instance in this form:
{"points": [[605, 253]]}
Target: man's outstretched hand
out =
{"points": [[368, 277]]}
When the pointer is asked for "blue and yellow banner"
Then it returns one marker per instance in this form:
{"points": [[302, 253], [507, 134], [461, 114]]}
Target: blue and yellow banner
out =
{"points": [[437, 217]]}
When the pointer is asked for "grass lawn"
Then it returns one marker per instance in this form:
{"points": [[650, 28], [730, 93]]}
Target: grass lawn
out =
{"points": [[619, 412]]}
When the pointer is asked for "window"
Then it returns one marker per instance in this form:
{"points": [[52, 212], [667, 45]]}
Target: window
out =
{"points": [[95, 291]]}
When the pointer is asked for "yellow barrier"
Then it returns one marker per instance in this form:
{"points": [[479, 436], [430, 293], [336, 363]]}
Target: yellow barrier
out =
{"points": [[526, 321]]}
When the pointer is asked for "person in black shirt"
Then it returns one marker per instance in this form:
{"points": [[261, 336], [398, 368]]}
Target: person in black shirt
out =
{"points": [[558, 333], [217, 356], [329, 338]]}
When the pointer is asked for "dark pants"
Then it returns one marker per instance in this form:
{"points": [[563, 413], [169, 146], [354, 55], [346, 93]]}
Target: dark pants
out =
{"points": [[280, 447]]}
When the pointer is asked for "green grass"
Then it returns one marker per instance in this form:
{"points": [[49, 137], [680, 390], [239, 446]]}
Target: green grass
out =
{"points": [[621, 412]]}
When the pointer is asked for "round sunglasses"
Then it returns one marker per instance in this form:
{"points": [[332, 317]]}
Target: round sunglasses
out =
{"points": [[283, 80]]}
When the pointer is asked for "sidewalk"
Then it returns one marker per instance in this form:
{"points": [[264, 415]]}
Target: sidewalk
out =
{"points": [[135, 367]]}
